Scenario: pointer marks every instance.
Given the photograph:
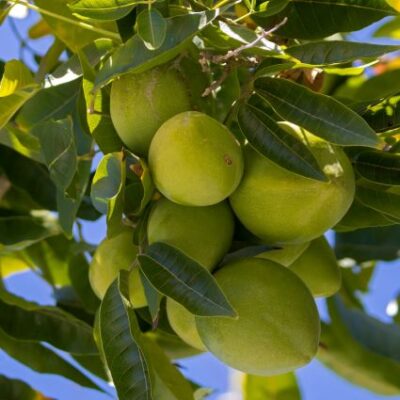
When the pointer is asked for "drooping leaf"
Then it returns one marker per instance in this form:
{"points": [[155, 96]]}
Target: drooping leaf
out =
{"points": [[152, 28], [133, 56], [313, 19], [13, 389], [272, 141], [28, 321], [335, 51], [42, 359], [279, 387], [177, 276], [317, 113], [378, 166], [369, 244], [105, 10], [59, 150], [16, 76], [121, 343], [107, 190]]}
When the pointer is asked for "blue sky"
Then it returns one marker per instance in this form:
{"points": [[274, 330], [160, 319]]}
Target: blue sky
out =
{"points": [[316, 382]]}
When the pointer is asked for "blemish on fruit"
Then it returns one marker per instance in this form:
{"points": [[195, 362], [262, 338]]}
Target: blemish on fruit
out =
{"points": [[227, 160]]}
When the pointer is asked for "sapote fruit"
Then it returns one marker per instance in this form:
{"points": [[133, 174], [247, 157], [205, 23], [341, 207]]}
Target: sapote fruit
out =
{"points": [[202, 233], [281, 207], [184, 324], [286, 255], [277, 329], [111, 256], [195, 160], [141, 103], [318, 268]]}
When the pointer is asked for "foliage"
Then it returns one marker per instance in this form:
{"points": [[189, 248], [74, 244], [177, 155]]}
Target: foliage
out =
{"points": [[250, 64]]}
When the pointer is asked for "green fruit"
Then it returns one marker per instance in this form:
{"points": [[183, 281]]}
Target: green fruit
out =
{"points": [[202, 233], [286, 255], [281, 207], [318, 268], [141, 103], [195, 160], [184, 324], [277, 329], [111, 256]]}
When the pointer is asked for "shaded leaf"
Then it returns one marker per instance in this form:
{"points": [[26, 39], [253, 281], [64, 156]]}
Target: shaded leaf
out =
{"points": [[317, 113], [273, 142], [177, 276], [152, 28], [369, 244], [42, 359], [13, 389], [28, 321], [133, 56], [107, 10], [382, 201], [312, 19], [121, 345], [378, 166], [337, 51]]}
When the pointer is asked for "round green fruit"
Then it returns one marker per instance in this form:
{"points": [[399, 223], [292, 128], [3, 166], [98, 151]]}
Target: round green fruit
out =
{"points": [[318, 268], [141, 103], [184, 324], [277, 329], [202, 233], [111, 256], [281, 207], [286, 255], [195, 160]]}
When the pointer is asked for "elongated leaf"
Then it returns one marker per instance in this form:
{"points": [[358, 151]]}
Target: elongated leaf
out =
{"points": [[108, 189], [389, 30], [279, 387], [378, 166], [13, 389], [312, 19], [152, 28], [42, 359], [383, 201], [108, 10], [177, 276], [268, 138], [28, 321], [335, 51], [16, 76], [317, 113], [379, 86], [369, 244], [58, 146], [267, 8], [17, 232], [133, 56], [122, 348]]}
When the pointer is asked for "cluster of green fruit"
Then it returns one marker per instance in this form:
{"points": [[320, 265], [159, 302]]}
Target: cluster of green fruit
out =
{"points": [[197, 164]]}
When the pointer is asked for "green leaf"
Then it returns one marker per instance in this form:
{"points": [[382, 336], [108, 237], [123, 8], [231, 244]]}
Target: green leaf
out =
{"points": [[312, 19], [42, 359], [369, 244], [177, 276], [337, 51], [17, 232], [59, 151], [16, 76], [273, 142], [107, 10], [107, 190], [389, 30], [279, 387], [152, 28], [379, 166], [28, 321], [79, 274], [271, 7], [383, 201], [379, 86], [12, 389], [133, 56], [121, 345], [317, 113]]}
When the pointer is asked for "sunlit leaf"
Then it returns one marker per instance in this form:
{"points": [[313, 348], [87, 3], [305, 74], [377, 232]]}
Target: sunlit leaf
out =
{"points": [[152, 28]]}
